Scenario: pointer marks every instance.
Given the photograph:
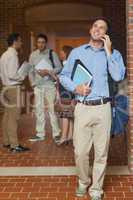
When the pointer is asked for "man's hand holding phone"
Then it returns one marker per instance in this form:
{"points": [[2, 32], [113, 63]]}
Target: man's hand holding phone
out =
{"points": [[107, 44]]}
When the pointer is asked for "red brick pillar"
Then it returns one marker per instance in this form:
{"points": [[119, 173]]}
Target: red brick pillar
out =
{"points": [[130, 78], [11, 14]]}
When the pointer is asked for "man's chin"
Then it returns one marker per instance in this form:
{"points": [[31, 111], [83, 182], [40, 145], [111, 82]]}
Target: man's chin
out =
{"points": [[96, 39], [41, 49]]}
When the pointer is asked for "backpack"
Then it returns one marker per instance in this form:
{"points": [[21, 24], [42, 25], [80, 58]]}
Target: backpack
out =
{"points": [[51, 57], [113, 86]]}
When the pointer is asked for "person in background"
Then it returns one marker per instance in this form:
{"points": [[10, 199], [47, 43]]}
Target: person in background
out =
{"points": [[43, 82], [123, 88], [92, 122], [10, 96], [67, 119]]}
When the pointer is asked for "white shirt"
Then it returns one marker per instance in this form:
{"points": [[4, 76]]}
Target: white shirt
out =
{"points": [[35, 58], [64, 62], [9, 64]]}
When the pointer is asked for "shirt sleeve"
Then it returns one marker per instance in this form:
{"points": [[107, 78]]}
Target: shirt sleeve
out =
{"points": [[65, 75], [57, 63], [32, 72], [116, 66], [12, 66]]}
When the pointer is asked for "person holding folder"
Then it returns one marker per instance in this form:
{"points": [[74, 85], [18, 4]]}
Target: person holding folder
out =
{"points": [[10, 95], [46, 65], [93, 111]]}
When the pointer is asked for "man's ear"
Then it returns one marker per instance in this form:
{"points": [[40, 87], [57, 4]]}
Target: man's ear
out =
{"points": [[90, 31], [108, 32]]}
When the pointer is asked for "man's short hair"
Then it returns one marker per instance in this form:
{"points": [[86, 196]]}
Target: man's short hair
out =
{"points": [[105, 20], [41, 35], [13, 37]]}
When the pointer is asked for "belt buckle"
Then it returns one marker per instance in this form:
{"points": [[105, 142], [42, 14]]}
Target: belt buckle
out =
{"points": [[102, 101]]}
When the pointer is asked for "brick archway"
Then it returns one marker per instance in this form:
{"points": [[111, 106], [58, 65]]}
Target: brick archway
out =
{"points": [[30, 3], [12, 12]]}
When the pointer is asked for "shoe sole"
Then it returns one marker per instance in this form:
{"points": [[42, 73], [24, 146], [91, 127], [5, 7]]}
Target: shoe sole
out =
{"points": [[80, 195], [19, 151], [32, 140]]}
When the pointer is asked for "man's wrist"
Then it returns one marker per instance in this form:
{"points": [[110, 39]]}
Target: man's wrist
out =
{"points": [[109, 52]]}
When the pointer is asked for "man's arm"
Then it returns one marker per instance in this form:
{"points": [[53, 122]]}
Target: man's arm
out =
{"points": [[57, 63], [65, 75], [116, 66], [12, 66], [66, 81], [32, 72]]}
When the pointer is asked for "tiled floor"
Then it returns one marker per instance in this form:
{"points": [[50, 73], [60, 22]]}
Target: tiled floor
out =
{"points": [[46, 153], [56, 187], [60, 188]]}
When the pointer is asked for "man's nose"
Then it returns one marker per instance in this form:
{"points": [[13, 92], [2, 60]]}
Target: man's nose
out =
{"points": [[97, 29]]}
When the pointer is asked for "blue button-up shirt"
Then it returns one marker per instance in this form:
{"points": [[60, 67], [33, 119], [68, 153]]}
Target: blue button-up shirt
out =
{"points": [[99, 64]]}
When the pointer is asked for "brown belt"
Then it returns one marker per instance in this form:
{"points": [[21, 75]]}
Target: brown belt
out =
{"points": [[96, 102]]}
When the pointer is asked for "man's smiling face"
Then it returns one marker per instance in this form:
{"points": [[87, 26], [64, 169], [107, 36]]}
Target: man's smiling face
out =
{"points": [[98, 30]]}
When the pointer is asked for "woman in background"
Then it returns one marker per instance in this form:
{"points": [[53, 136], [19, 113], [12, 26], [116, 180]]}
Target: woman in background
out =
{"points": [[66, 117]]}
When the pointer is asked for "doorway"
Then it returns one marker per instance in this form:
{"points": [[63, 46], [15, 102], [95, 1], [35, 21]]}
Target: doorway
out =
{"points": [[71, 41]]}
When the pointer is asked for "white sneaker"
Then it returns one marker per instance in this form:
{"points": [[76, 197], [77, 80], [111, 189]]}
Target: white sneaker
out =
{"points": [[96, 198], [36, 138], [81, 190]]}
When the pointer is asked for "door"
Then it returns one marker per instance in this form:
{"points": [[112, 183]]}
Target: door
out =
{"points": [[74, 42]]}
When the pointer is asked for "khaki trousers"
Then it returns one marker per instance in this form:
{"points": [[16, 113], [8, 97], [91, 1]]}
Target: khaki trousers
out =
{"points": [[92, 127], [10, 97], [43, 96]]}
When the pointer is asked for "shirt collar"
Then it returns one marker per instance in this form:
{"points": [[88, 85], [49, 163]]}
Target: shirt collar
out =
{"points": [[64, 62], [95, 49], [13, 50], [43, 52]]}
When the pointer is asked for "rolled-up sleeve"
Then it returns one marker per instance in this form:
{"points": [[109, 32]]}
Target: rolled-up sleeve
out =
{"points": [[12, 66], [116, 66], [65, 75]]}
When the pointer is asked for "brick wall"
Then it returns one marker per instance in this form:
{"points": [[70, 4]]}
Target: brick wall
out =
{"points": [[4, 27], [130, 78], [12, 17]]}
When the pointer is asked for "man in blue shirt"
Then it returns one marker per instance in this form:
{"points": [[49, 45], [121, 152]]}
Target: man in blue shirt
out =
{"points": [[93, 115]]}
